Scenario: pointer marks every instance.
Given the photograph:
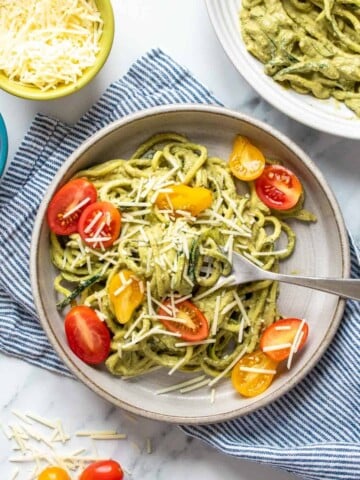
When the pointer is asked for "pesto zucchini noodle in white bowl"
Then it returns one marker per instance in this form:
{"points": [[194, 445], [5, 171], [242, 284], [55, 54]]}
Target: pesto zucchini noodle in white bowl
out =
{"points": [[143, 309], [300, 56]]}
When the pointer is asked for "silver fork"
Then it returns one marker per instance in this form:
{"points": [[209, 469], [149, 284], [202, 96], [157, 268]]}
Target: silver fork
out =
{"points": [[245, 271]]}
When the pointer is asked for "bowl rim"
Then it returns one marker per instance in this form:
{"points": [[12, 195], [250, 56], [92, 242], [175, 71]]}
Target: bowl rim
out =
{"points": [[4, 145], [34, 262], [32, 93]]}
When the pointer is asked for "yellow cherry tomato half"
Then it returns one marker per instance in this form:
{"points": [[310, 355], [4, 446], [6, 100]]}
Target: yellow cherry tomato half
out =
{"points": [[182, 197], [246, 162], [126, 292], [54, 473], [253, 374]]}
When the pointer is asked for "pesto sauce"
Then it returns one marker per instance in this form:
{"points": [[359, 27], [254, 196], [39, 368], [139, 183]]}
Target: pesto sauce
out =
{"points": [[312, 47]]}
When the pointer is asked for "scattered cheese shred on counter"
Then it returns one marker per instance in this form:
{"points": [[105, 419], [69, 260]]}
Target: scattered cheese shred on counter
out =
{"points": [[43, 421], [148, 446], [35, 449], [90, 433], [115, 436], [46, 43], [15, 474]]}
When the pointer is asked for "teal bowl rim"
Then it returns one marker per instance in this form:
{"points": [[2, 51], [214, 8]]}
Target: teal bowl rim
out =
{"points": [[3, 145]]}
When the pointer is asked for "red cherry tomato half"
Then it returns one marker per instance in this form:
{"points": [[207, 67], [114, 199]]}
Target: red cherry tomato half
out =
{"points": [[87, 335], [100, 224], [67, 204], [54, 473], [195, 327], [281, 333], [278, 187], [103, 470]]}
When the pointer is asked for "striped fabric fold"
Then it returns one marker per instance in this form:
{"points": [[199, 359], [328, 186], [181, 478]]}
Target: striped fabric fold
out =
{"points": [[313, 430]]}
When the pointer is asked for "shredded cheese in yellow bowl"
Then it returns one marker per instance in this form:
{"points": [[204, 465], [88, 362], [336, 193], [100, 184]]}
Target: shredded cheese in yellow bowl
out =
{"points": [[52, 48]]}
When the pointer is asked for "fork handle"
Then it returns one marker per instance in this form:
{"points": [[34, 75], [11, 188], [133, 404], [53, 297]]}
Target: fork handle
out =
{"points": [[347, 288]]}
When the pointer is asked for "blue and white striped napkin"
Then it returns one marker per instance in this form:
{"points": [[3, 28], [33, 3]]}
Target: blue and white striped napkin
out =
{"points": [[313, 430]]}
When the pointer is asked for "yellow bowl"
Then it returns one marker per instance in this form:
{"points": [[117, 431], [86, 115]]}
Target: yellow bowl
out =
{"points": [[105, 43]]}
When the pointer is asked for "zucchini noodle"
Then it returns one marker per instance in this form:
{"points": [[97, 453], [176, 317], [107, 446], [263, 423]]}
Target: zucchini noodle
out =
{"points": [[177, 256], [312, 46]]}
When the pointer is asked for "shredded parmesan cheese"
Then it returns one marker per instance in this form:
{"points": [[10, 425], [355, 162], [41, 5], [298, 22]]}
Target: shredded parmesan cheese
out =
{"points": [[134, 325], [148, 446], [15, 474], [229, 307], [230, 279], [241, 331], [21, 416], [215, 322], [133, 204], [231, 224], [257, 370], [89, 433], [127, 219], [41, 420], [273, 348], [47, 50], [191, 344], [168, 318], [114, 436], [253, 260], [7, 435], [195, 387], [177, 386], [274, 252], [228, 368], [149, 298], [97, 239], [241, 307], [123, 287], [33, 459], [93, 222], [177, 365], [295, 344]]}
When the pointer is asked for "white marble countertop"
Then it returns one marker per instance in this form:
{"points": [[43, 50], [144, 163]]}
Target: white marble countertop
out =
{"points": [[182, 29]]}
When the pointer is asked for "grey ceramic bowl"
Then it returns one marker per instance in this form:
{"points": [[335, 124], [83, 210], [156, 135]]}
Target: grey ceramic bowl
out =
{"points": [[322, 249]]}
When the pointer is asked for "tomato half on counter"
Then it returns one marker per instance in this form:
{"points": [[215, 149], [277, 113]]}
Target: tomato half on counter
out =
{"points": [[253, 374], [283, 333], [68, 203], [103, 470], [246, 161], [278, 188], [54, 473], [100, 224], [193, 327], [182, 197], [88, 337], [126, 292]]}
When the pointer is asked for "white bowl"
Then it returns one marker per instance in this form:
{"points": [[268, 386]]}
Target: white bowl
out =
{"points": [[322, 249], [329, 116]]}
